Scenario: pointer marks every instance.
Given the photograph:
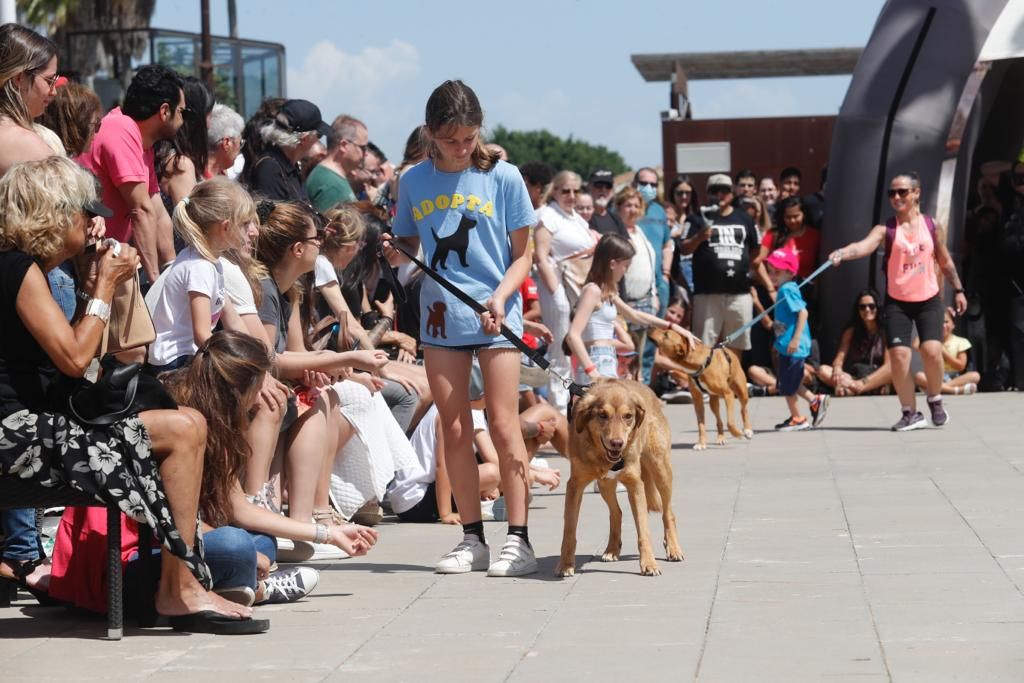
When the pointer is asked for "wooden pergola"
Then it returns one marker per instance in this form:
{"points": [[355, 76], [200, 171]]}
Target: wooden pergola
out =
{"points": [[682, 67]]}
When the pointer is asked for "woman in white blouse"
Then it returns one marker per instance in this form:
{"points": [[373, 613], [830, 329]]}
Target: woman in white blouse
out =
{"points": [[564, 250]]}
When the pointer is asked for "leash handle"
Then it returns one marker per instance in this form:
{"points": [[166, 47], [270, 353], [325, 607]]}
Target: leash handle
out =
{"points": [[732, 337]]}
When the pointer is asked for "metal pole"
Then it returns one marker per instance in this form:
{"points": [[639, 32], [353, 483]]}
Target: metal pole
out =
{"points": [[206, 48], [232, 19]]}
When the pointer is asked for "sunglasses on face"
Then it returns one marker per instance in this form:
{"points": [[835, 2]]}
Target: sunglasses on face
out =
{"points": [[362, 148], [867, 307], [683, 193], [900, 192], [719, 189], [318, 238], [569, 190], [643, 184]]}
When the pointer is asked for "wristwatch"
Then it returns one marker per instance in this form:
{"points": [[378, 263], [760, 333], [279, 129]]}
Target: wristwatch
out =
{"points": [[98, 308], [959, 291]]}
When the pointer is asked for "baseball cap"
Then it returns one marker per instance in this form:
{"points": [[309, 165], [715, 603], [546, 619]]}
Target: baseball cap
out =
{"points": [[98, 208], [300, 116], [719, 180], [783, 260], [602, 176]]}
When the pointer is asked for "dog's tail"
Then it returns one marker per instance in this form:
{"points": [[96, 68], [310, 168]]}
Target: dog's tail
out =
{"points": [[651, 491]]}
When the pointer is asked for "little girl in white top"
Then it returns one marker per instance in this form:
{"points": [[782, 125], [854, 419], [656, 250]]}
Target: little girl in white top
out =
{"points": [[188, 300]]}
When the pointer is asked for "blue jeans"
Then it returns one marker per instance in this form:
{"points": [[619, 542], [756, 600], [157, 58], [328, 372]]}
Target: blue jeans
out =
{"points": [[230, 553], [62, 287], [20, 531]]}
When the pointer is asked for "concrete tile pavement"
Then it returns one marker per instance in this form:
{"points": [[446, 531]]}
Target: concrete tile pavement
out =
{"points": [[845, 553]]}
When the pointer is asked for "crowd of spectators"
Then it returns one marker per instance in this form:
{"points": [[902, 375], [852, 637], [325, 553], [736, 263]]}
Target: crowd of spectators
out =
{"points": [[294, 345]]}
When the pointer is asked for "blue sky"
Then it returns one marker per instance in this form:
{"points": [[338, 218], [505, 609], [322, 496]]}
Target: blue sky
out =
{"points": [[562, 65]]}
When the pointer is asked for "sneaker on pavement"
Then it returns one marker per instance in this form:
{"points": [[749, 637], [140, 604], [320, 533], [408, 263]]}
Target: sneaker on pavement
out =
{"points": [[326, 551], [756, 390], [967, 389], [516, 559], [819, 406], [243, 595], [791, 424], [289, 551], [912, 419], [370, 514], [470, 555], [289, 585], [939, 414]]}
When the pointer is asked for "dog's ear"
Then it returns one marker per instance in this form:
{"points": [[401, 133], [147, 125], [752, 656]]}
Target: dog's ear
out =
{"points": [[581, 412], [641, 414]]}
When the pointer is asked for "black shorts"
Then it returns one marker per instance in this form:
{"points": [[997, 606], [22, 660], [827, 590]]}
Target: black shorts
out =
{"points": [[902, 316], [425, 511]]}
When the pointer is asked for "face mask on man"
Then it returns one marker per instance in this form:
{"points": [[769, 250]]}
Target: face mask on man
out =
{"points": [[648, 192], [601, 202]]}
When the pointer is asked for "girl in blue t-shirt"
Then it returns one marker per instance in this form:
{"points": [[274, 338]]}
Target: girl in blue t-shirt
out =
{"points": [[471, 212]]}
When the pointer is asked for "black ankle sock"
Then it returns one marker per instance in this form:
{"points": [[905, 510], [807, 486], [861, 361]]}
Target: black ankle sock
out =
{"points": [[520, 531], [475, 528]]}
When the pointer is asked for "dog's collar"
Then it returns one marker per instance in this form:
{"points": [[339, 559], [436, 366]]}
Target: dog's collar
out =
{"points": [[707, 363]]}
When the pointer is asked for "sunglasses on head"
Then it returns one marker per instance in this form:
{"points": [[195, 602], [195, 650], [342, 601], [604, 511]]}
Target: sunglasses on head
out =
{"points": [[867, 307], [899, 192]]}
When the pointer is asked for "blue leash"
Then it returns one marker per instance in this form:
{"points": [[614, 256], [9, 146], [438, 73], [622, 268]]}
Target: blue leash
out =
{"points": [[732, 337]]}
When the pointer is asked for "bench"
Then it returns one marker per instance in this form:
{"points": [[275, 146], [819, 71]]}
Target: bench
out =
{"points": [[15, 493]]}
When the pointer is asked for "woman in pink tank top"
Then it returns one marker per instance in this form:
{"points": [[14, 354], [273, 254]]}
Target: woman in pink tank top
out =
{"points": [[913, 249]]}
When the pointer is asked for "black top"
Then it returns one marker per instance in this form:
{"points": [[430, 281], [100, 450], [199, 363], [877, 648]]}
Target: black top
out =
{"points": [[608, 224], [722, 262], [275, 309], [274, 177], [26, 372]]}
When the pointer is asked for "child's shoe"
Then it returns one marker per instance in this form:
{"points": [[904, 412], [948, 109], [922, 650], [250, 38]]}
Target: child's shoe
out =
{"points": [[819, 405], [791, 424]]}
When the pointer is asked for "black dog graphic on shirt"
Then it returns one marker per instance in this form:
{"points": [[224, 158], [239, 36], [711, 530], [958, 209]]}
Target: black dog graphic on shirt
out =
{"points": [[458, 242]]}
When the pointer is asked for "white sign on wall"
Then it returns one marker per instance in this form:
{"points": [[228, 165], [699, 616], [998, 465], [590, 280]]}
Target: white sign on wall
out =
{"points": [[703, 157]]}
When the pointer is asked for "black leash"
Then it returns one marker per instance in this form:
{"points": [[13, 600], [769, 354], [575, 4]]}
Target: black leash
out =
{"points": [[533, 354]]}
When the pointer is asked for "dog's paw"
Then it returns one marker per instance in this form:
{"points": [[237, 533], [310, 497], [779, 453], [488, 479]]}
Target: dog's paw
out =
{"points": [[650, 569], [699, 446], [565, 571], [609, 557], [720, 441], [748, 434], [675, 555]]}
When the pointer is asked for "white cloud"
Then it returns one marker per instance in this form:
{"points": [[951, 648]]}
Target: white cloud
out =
{"points": [[338, 81]]}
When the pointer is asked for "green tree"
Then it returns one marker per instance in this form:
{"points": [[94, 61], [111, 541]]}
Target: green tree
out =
{"points": [[561, 153]]}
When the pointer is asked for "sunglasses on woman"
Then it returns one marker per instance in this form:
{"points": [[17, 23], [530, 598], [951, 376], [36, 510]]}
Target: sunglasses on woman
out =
{"points": [[867, 307], [900, 192]]}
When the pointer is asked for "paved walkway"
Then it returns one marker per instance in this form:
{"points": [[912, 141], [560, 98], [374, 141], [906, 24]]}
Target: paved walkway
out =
{"points": [[844, 554]]}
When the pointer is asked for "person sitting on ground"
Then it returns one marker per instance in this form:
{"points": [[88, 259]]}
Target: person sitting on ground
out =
{"points": [[150, 463], [861, 365], [224, 383], [956, 378], [793, 343]]}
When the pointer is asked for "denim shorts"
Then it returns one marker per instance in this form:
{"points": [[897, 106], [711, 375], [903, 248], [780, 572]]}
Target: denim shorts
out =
{"points": [[790, 375], [500, 344], [605, 361]]}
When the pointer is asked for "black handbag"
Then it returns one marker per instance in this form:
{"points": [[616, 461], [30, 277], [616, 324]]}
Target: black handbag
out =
{"points": [[120, 392]]}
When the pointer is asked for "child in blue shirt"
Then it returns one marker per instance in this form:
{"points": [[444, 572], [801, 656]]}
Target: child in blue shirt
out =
{"points": [[793, 343], [471, 213]]}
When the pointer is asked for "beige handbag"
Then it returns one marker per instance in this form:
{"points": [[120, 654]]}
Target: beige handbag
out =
{"points": [[130, 325]]}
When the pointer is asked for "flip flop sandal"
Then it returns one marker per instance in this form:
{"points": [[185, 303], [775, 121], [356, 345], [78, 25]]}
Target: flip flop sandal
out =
{"points": [[209, 621]]}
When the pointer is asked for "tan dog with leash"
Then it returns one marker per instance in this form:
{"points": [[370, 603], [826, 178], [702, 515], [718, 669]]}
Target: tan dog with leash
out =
{"points": [[621, 421], [715, 371]]}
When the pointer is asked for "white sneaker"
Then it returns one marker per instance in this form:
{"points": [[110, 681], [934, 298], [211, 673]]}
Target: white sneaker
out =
{"points": [[516, 559], [289, 585], [470, 555], [289, 551], [326, 551]]}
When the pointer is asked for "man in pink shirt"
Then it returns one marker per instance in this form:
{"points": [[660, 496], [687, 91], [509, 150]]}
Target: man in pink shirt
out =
{"points": [[121, 156]]}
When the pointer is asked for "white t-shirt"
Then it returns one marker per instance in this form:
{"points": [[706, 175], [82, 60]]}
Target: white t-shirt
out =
{"points": [[324, 272], [238, 289], [410, 484], [570, 234], [639, 279], [170, 304]]}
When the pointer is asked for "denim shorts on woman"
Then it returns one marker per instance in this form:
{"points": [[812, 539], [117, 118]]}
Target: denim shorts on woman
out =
{"points": [[605, 362]]}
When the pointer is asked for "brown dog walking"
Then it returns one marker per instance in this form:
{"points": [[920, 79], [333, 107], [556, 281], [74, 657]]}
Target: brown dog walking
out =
{"points": [[621, 420]]}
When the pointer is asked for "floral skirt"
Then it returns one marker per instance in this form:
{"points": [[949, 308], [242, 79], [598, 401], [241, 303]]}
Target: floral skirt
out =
{"points": [[114, 464]]}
